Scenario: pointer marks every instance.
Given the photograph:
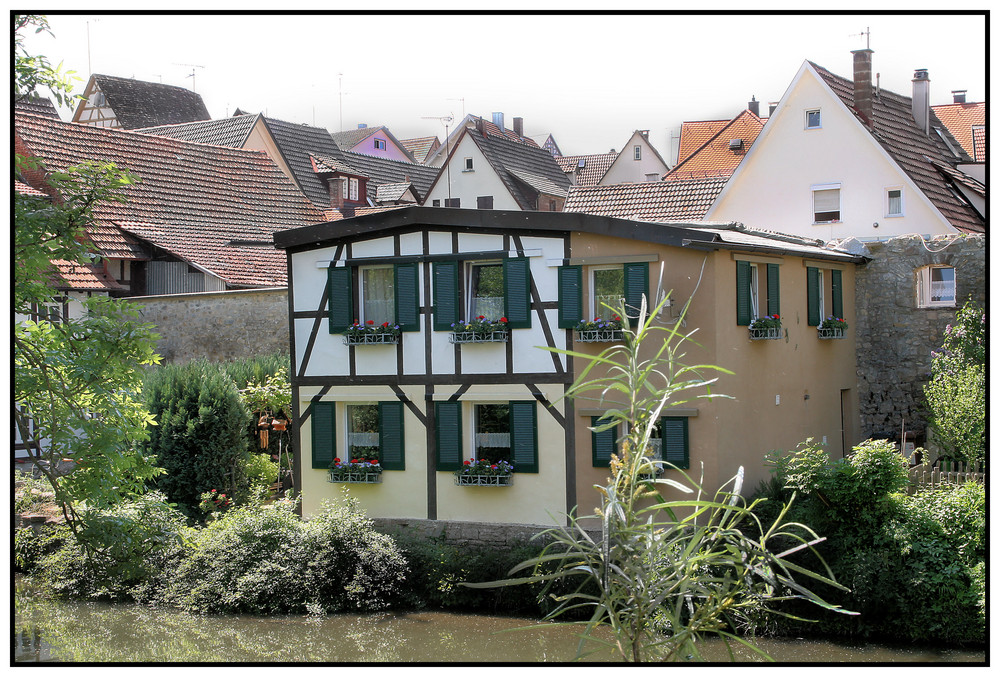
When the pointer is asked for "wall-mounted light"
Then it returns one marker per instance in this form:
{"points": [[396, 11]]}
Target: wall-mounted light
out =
{"points": [[875, 225]]}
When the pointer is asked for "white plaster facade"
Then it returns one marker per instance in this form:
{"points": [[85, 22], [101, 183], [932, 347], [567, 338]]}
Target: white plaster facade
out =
{"points": [[638, 162]]}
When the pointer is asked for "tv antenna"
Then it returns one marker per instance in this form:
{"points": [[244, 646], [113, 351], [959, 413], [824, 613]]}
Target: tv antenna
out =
{"points": [[867, 34], [463, 105], [446, 120], [192, 66]]}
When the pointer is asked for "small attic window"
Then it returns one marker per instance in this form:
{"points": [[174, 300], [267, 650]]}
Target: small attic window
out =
{"points": [[813, 119], [379, 144], [581, 163], [637, 153]]}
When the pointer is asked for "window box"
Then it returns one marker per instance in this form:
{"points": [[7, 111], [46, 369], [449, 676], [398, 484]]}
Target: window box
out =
{"points": [[598, 335], [830, 333], [370, 339], [476, 337], [766, 334], [484, 480], [356, 477]]}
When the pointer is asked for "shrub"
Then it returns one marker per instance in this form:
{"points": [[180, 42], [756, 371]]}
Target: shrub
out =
{"points": [[200, 436], [261, 472], [31, 546]]}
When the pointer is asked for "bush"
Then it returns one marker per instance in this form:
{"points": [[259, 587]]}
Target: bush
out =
{"points": [[143, 540], [31, 546], [200, 436], [266, 560], [913, 564], [261, 472], [31, 493]]}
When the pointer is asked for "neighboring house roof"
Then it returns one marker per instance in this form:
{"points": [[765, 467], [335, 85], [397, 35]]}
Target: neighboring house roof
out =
{"points": [[25, 189], [296, 143], [548, 142], [719, 155], [391, 192], [525, 169], [488, 128], [381, 171], [915, 152], [216, 208], [592, 169], [961, 178], [695, 134], [651, 201], [421, 147], [148, 104], [962, 119], [351, 139], [232, 132], [37, 105]]}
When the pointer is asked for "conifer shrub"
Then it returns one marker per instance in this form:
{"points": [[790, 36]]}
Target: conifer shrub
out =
{"points": [[200, 432]]}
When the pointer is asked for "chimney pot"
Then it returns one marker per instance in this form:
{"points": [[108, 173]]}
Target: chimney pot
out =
{"points": [[920, 104], [959, 95], [754, 106], [770, 108], [863, 84], [519, 126]]}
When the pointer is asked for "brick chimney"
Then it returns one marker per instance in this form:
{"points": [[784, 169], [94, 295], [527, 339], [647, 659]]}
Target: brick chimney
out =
{"points": [[335, 185], [921, 103], [519, 126], [863, 85], [754, 106]]}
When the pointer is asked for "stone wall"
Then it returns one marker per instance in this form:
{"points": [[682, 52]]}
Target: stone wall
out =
{"points": [[895, 337], [462, 533], [219, 326]]}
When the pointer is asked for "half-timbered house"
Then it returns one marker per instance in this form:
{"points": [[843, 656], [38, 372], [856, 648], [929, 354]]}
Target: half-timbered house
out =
{"points": [[423, 393]]}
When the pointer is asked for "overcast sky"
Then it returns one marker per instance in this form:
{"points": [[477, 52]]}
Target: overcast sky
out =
{"points": [[589, 80]]}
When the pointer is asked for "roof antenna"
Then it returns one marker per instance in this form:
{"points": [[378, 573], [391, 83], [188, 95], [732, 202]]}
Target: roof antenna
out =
{"points": [[193, 66], [867, 32]]}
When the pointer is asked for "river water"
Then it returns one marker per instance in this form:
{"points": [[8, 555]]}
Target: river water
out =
{"points": [[83, 632]]}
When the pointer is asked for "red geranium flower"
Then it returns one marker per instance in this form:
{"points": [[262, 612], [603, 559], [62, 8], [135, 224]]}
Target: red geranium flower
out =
{"points": [[468, 462], [371, 321], [503, 319], [385, 324]]}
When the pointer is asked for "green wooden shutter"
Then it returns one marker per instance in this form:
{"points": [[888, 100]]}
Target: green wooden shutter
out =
{"points": [[407, 297], [743, 293], [837, 291], [636, 285], [517, 292], [390, 435], [324, 434], [570, 296], [341, 295], [524, 436], [448, 434], [812, 293], [602, 443], [773, 291], [445, 294], [675, 441]]}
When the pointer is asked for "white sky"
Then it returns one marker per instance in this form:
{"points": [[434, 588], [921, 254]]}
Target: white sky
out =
{"points": [[589, 80]]}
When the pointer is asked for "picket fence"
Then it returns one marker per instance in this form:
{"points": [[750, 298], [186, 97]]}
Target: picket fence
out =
{"points": [[945, 473]]}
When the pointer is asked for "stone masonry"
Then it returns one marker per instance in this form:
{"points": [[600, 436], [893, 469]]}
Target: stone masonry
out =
{"points": [[219, 326], [895, 337]]}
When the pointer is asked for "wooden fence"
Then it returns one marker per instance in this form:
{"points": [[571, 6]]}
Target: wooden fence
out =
{"points": [[943, 473]]}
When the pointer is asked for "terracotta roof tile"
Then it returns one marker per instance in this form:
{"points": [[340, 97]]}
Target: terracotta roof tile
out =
{"points": [[201, 203], [682, 200], [962, 119], [914, 151], [694, 134], [37, 105], [81, 277], [716, 157], [25, 189]]}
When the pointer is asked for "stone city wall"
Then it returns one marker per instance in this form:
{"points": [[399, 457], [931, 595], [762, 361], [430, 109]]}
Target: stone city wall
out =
{"points": [[895, 337], [219, 326]]}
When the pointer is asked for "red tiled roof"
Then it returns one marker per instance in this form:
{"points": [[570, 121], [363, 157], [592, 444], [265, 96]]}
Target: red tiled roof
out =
{"points": [[682, 200], [715, 157], [25, 189], [81, 277], [694, 135], [201, 203], [962, 119], [593, 170], [979, 144], [913, 150]]}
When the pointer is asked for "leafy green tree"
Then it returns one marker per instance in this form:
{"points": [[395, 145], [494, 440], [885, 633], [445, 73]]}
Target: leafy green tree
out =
{"points": [[74, 379], [956, 395], [663, 573]]}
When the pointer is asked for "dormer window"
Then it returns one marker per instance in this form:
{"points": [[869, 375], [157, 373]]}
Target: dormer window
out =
{"points": [[379, 144], [813, 119]]}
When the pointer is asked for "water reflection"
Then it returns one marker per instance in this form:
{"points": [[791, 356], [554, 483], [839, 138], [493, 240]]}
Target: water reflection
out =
{"points": [[46, 630]]}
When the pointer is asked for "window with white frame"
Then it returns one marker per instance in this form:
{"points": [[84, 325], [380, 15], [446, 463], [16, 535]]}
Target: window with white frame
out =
{"points": [[826, 203], [935, 286], [343, 187], [354, 190], [485, 285], [468, 164], [608, 283], [813, 119], [379, 144], [894, 202], [378, 302], [637, 153]]}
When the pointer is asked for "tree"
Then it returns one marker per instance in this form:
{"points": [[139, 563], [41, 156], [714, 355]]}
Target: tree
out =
{"points": [[956, 395], [75, 379]]}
